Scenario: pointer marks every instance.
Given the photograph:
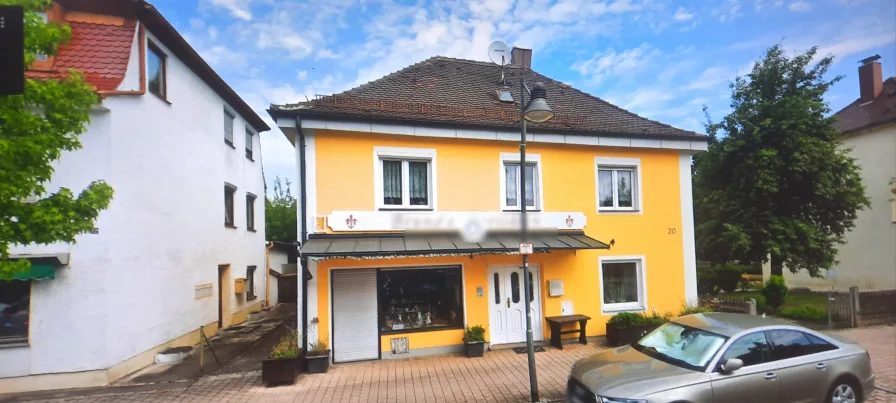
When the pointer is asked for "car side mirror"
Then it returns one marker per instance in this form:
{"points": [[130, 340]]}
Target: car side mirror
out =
{"points": [[731, 365]]}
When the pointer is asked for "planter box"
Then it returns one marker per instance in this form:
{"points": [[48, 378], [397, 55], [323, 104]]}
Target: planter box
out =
{"points": [[475, 349], [280, 370], [619, 337], [318, 364]]}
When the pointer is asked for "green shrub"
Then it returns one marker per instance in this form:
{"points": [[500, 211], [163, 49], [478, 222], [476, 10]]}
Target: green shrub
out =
{"points": [[474, 334], [805, 313], [728, 277], [318, 348], [692, 309], [706, 281], [288, 347], [775, 292], [628, 320]]}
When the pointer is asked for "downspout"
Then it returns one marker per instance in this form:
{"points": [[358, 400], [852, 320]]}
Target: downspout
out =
{"points": [[303, 235], [267, 274]]}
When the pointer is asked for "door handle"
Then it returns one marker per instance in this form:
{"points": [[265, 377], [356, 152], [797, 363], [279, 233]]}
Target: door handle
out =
{"points": [[508, 302], [771, 376], [821, 366]]}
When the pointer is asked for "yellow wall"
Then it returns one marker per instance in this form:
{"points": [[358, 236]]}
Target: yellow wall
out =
{"points": [[468, 180]]}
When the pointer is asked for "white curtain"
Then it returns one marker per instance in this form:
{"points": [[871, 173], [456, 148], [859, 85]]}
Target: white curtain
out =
{"points": [[620, 282], [512, 183], [417, 174], [605, 188], [624, 188], [530, 185], [392, 182]]}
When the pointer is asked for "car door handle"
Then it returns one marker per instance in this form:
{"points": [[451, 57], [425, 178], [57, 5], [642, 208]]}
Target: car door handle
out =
{"points": [[821, 366], [771, 375]]}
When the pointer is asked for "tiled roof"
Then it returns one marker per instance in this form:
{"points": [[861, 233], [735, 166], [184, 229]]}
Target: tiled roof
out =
{"points": [[100, 51], [856, 116], [463, 92]]}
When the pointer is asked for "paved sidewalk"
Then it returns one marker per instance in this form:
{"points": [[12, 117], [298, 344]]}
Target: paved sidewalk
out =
{"points": [[501, 376]]}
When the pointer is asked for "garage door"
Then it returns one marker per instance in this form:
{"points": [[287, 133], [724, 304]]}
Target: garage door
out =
{"points": [[355, 335]]}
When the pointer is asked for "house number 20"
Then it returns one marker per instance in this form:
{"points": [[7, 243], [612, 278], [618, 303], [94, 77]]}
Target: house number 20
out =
{"points": [[671, 231]]}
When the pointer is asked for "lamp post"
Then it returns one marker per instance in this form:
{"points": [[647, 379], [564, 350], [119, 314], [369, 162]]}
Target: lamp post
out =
{"points": [[537, 110]]}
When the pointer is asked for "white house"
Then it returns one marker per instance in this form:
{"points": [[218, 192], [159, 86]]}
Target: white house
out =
{"points": [[868, 259], [185, 231]]}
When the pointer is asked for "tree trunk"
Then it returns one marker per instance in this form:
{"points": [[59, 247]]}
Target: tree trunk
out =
{"points": [[777, 265]]}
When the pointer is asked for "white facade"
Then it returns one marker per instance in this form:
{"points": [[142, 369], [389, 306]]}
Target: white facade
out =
{"points": [[133, 286], [868, 259]]}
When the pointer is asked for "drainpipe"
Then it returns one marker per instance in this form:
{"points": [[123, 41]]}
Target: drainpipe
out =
{"points": [[267, 274], [303, 234]]}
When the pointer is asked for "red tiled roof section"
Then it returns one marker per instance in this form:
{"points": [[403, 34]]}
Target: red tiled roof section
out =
{"points": [[882, 110], [100, 51], [444, 90]]}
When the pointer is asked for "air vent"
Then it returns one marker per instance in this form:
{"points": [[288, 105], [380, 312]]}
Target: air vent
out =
{"points": [[505, 96]]}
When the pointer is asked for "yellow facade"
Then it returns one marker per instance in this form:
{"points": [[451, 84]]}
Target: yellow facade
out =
{"points": [[468, 179]]}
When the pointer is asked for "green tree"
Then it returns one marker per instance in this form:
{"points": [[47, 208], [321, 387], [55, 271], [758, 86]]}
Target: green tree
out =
{"points": [[280, 214], [778, 186], [37, 127]]}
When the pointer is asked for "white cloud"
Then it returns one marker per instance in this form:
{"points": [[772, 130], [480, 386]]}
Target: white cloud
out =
{"points": [[779, 3], [275, 33], [238, 8], [326, 54], [799, 6], [212, 33], [711, 78], [222, 55], [302, 75], [728, 11], [609, 63], [683, 15]]}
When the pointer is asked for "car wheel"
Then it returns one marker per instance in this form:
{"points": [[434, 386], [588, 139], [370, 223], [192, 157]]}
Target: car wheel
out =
{"points": [[843, 392]]}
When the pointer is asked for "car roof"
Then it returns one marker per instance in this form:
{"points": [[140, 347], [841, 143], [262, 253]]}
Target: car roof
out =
{"points": [[728, 324]]}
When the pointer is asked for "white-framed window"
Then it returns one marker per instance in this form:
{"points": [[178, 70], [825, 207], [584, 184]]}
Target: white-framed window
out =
{"points": [[618, 184], [623, 285], [405, 178], [511, 196]]}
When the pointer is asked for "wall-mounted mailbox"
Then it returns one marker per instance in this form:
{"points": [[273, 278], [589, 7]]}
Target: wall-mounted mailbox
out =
{"points": [[239, 286], [555, 288]]}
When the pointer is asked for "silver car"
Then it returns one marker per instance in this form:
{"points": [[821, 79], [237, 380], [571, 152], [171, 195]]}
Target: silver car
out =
{"points": [[725, 358]]}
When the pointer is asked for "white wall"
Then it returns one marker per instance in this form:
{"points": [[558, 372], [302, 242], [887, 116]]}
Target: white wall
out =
{"points": [[868, 259], [131, 287]]}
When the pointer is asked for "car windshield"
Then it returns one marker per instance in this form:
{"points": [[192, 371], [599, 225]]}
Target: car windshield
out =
{"points": [[681, 345]]}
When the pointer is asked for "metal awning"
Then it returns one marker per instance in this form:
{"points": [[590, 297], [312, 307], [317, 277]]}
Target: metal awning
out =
{"points": [[382, 245], [43, 266]]}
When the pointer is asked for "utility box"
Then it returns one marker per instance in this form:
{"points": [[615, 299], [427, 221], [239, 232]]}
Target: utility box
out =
{"points": [[555, 288], [239, 286]]}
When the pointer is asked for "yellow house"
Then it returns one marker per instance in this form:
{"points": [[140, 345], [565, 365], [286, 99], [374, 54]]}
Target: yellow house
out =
{"points": [[407, 181]]}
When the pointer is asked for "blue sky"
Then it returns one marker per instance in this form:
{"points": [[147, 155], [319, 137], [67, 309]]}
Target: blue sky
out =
{"points": [[661, 59]]}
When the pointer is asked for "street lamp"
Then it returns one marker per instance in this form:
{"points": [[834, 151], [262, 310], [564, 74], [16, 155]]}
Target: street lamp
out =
{"points": [[537, 110]]}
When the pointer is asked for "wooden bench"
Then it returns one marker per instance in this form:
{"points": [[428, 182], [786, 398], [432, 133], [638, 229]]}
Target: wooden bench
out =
{"points": [[557, 321]]}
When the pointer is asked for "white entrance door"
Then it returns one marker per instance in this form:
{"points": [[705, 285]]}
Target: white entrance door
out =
{"points": [[507, 309]]}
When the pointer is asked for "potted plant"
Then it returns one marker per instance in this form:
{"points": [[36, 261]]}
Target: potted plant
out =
{"points": [[285, 361], [318, 357], [474, 341], [627, 327]]}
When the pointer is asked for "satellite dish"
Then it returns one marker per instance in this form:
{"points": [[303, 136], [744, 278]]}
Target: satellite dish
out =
{"points": [[499, 53]]}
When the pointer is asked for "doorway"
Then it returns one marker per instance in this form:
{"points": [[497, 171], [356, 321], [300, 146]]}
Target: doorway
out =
{"points": [[507, 309], [224, 291]]}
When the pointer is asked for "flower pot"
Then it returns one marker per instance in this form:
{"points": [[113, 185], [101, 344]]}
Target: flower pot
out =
{"points": [[475, 349], [619, 337], [280, 370], [318, 364]]}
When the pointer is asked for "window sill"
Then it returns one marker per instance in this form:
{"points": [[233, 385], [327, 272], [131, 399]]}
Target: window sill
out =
{"points": [[229, 144], [159, 97], [250, 159], [251, 297], [528, 210], [628, 308], [251, 230], [406, 209], [617, 211], [229, 226], [420, 330], [12, 343]]}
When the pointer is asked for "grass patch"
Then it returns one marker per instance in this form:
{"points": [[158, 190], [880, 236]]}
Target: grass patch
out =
{"points": [[795, 300]]}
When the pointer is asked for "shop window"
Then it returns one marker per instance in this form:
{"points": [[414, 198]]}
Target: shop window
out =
{"points": [[15, 304], [420, 299], [622, 284]]}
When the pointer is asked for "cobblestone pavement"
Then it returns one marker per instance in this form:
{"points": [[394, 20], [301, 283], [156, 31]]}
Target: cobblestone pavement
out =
{"points": [[500, 376]]}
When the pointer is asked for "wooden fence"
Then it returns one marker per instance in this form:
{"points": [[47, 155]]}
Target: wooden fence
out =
{"points": [[867, 308]]}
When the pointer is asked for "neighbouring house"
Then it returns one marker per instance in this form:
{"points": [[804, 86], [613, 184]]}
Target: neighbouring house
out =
{"points": [[868, 258], [178, 248], [435, 147], [282, 278]]}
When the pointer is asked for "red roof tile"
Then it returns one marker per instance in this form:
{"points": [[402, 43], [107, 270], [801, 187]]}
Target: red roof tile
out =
{"points": [[100, 51], [857, 116]]}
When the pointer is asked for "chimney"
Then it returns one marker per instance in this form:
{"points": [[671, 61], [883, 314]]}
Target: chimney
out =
{"points": [[870, 79], [523, 57]]}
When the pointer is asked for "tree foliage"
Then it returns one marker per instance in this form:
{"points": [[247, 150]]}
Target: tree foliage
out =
{"points": [[35, 129], [778, 185], [280, 216]]}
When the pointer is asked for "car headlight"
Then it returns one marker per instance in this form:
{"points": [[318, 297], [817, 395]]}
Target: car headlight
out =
{"points": [[604, 399]]}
